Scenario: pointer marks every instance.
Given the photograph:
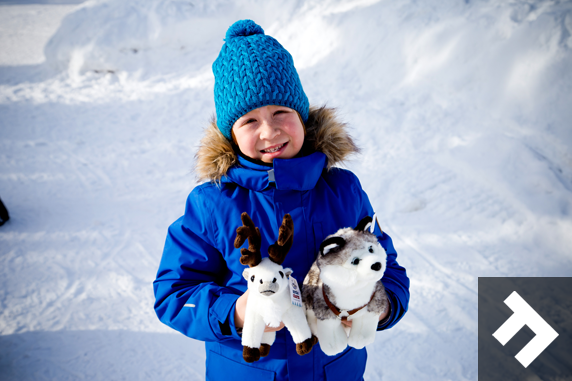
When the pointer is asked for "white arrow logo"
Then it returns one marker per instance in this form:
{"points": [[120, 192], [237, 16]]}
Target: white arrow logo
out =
{"points": [[523, 315]]}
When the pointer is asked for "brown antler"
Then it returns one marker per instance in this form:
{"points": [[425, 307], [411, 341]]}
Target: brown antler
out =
{"points": [[250, 256], [277, 252]]}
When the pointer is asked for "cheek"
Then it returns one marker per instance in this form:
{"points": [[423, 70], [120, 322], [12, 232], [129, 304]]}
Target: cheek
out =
{"points": [[299, 139], [246, 142], [296, 132]]}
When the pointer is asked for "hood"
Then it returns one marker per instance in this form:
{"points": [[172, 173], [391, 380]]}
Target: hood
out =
{"points": [[324, 133]]}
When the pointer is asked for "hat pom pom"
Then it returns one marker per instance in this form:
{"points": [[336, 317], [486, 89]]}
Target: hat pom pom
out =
{"points": [[243, 28]]}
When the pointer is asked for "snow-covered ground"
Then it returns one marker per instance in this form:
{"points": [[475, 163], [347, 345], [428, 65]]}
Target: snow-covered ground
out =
{"points": [[462, 110]]}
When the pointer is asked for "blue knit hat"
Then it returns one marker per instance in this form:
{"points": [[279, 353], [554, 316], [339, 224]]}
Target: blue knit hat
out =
{"points": [[253, 70]]}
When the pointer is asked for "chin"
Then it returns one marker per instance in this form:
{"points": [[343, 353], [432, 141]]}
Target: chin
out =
{"points": [[288, 155]]}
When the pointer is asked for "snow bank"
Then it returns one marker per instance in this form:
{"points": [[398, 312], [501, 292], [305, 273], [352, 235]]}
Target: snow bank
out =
{"points": [[108, 36], [141, 36]]}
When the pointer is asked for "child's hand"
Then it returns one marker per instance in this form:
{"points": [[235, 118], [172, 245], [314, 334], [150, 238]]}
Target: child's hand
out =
{"points": [[240, 309]]}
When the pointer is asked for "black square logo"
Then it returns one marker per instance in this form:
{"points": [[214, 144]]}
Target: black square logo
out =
{"points": [[525, 329]]}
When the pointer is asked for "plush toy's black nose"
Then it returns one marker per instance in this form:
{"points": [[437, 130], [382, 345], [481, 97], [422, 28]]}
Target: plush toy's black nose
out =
{"points": [[376, 266]]}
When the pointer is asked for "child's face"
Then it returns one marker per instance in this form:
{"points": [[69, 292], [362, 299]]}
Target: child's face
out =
{"points": [[269, 132]]}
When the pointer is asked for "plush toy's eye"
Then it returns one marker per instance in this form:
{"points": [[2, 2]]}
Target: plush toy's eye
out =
{"points": [[252, 278], [281, 274], [371, 249], [261, 281], [355, 261], [274, 280]]}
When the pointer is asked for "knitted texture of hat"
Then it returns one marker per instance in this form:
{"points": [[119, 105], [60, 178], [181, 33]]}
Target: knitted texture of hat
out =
{"points": [[253, 70]]}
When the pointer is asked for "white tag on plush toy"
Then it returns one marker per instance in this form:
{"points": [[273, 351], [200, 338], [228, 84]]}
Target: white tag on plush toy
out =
{"points": [[295, 296]]}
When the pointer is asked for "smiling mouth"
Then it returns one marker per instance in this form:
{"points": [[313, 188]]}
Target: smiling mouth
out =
{"points": [[274, 149], [267, 292]]}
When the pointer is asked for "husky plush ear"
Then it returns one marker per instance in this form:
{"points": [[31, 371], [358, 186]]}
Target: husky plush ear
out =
{"points": [[364, 224], [332, 245]]}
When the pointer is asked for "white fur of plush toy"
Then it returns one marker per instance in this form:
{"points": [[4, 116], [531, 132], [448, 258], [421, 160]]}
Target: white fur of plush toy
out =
{"points": [[345, 283], [269, 302]]}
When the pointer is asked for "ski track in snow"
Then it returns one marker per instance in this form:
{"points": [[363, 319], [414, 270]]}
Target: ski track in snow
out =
{"points": [[461, 110]]}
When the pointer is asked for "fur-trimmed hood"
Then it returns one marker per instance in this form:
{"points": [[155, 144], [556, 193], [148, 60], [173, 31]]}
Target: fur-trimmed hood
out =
{"points": [[324, 133]]}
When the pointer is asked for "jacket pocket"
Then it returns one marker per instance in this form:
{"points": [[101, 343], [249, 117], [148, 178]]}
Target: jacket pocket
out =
{"points": [[348, 367], [222, 368]]}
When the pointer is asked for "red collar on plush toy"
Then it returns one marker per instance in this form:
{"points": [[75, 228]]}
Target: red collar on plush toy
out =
{"points": [[343, 314]]}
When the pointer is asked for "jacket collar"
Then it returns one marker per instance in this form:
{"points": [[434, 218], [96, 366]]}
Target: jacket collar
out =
{"points": [[301, 173]]}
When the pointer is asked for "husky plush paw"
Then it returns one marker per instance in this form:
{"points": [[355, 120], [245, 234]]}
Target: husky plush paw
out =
{"points": [[333, 340], [358, 340]]}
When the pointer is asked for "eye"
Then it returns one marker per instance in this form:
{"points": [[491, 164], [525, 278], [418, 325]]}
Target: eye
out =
{"points": [[371, 249], [355, 261], [249, 121], [274, 280], [252, 278], [281, 274], [261, 282]]}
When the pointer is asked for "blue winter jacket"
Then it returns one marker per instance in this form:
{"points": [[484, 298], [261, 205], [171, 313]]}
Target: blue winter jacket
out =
{"points": [[200, 275]]}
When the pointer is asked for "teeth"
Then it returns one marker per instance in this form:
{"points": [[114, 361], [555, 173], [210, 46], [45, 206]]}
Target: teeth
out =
{"points": [[273, 149]]}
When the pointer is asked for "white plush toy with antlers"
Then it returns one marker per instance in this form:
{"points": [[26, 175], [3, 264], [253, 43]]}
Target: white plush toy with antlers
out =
{"points": [[344, 283], [269, 301]]}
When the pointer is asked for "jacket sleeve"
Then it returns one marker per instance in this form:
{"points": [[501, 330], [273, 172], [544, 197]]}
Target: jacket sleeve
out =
{"points": [[188, 293], [395, 277]]}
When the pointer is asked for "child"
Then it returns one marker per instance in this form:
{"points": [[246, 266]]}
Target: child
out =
{"points": [[268, 153]]}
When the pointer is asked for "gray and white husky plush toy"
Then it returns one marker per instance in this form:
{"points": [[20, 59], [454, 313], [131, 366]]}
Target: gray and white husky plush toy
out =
{"points": [[344, 283], [269, 301]]}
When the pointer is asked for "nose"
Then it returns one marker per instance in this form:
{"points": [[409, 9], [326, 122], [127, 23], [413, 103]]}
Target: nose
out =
{"points": [[376, 266], [268, 131]]}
